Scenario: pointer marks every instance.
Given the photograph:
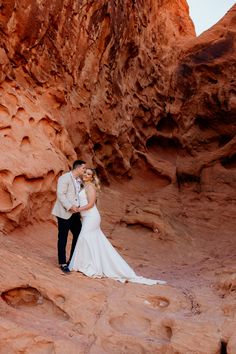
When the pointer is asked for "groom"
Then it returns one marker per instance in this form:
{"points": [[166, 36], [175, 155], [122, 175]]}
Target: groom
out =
{"points": [[66, 210]]}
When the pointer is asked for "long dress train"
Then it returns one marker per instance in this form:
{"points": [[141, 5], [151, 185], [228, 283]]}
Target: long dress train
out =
{"points": [[95, 256]]}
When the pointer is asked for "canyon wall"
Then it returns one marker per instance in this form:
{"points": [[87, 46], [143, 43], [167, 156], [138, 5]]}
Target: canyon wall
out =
{"points": [[202, 100], [126, 87], [81, 78]]}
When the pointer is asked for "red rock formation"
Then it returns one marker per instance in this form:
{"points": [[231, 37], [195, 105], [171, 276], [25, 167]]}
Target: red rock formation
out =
{"points": [[98, 70], [35, 148], [202, 103], [130, 89]]}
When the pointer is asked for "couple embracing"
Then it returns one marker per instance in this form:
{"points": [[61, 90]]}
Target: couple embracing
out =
{"points": [[76, 211]]}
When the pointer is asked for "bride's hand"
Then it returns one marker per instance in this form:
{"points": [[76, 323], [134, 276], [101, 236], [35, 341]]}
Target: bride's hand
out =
{"points": [[74, 209]]}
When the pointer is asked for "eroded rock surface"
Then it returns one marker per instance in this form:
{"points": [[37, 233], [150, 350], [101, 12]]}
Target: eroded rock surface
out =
{"points": [[130, 89], [202, 101], [127, 83], [44, 310], [97, 70]]}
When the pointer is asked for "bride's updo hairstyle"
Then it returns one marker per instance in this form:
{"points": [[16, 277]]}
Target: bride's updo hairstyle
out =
{"points": [[95, 179]]}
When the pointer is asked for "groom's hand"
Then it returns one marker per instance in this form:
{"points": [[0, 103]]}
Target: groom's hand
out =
{"points": [[74, 209]]}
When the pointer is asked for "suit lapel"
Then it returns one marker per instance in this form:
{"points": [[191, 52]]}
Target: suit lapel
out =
{"points": [[73, 181]]}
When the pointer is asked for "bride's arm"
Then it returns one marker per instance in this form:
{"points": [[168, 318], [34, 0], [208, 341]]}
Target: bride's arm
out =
{"points": [[91, 196]]}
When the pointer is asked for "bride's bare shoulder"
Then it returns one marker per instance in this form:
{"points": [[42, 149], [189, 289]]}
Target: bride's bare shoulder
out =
{"points": [[90, 187]]}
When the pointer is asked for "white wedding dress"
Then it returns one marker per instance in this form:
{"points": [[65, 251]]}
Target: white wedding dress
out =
{"points": [[95, 256]]}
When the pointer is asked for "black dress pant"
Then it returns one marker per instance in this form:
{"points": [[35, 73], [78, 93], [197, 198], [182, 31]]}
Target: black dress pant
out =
{"points": [[72, 224]]}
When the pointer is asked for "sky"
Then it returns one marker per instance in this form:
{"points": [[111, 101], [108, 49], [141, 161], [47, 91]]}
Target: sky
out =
{"points": [[205, 13]]}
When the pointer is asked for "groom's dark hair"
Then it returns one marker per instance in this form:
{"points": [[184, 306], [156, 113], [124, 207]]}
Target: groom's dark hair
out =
{"points": [[78, 163]]}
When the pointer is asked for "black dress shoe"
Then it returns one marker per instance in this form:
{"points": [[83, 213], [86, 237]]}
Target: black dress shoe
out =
{"points": [[65, 268]]}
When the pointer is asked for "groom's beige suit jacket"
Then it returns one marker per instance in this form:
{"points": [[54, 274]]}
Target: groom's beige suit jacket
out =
{"points": [[66, 196]]}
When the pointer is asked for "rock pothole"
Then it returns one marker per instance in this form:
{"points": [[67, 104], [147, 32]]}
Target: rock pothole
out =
{"points": [[157, 302], [29, 299]]}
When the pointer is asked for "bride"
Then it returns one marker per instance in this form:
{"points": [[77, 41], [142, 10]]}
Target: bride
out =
{"points": [[94, 255]]}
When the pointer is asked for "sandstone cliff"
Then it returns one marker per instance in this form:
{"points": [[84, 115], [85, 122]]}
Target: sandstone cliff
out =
{"points": [[96, 71], [128, 87]]}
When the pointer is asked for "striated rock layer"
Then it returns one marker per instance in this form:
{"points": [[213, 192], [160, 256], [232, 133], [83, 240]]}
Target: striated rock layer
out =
{"points": [[129, 88]]}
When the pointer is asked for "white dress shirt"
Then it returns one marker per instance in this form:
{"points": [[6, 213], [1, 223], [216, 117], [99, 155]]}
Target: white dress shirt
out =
{"points": [[77, 183]]}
